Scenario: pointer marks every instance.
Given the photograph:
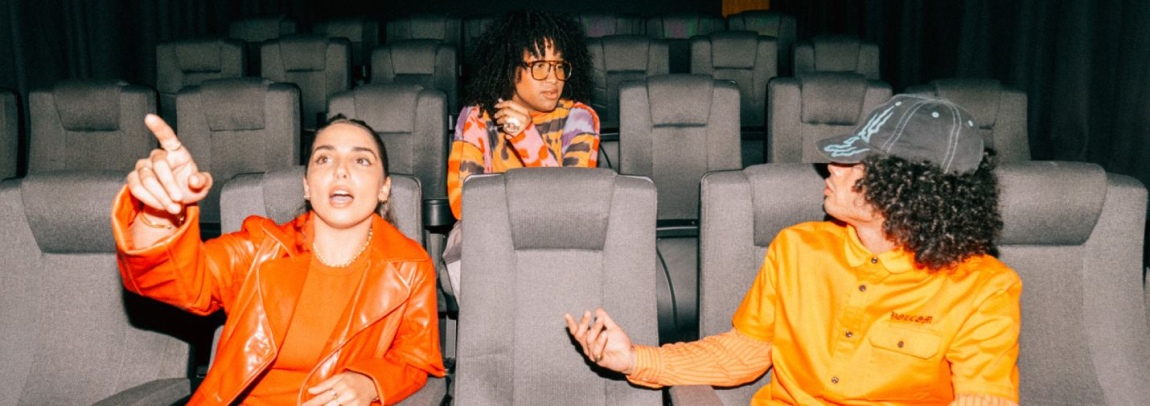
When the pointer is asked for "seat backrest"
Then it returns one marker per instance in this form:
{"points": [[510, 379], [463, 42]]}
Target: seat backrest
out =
{"points": [[619, 58], [1074, 234], [89, 125], [254, 31], [425, 62], [837, 53], [410, 119], [599, 24], [740, 214], [805, 109], [278, 195], [674, 129], [319, 66], [999, 111], [743, 57], [234, 126], [361, 31], [473, 28], [442, 27], [72, 334], [524, 266], [773, 24], [9, 134], [190, 62], [676, 30]]}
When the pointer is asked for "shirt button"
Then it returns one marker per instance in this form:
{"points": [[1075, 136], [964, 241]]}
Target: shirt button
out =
{"points": [[862, 288], [850, 334], [900, 344], [874, 260], [834, 379]]}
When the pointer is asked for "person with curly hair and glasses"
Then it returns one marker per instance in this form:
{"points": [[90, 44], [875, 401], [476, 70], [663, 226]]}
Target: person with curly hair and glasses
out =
{"points": [[897, 300], [525, 106]]}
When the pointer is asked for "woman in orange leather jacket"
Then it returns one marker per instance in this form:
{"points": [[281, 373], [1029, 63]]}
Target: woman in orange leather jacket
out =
{"points": [[336, 307]]}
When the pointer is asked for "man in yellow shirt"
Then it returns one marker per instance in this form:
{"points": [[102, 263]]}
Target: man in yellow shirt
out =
{"points": [[896, 301]]}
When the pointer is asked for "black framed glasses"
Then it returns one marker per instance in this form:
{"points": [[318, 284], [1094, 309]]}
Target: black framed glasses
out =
{"points": [[540, 69]]}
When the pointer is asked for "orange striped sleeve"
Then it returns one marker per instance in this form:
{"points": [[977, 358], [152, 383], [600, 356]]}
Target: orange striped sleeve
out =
{"points": [[981, 400], [726, 359]]}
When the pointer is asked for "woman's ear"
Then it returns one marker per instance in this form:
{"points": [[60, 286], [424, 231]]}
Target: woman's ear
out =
{"points": [[306, 190], [384, 190]]}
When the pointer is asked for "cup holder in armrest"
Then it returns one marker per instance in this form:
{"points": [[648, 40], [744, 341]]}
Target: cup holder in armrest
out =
{"points": [[437, 213]]}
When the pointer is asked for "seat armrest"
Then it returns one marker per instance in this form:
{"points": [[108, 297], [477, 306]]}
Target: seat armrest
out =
{"points": [[437, 213], [158, 392], [431, 394], [694, 395]]}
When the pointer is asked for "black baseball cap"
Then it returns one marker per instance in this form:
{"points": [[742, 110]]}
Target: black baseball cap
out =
{"points": [[915, 128]]}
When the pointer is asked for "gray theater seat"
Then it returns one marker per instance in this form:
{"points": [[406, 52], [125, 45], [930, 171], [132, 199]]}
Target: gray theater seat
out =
{"points": [[743, 57], [362, 32], [676, 30], [89, 125], [773, 24], [426, 62], [619, 58], [254, 31], [409, 118], [1071, 231], [72, 335], [190, 62], [803, 110], [599, 24], [541, 242], [999, 111], [442, 27], [319, 66], [837, 53], [675, 128], [234, 126], [9, 134]]}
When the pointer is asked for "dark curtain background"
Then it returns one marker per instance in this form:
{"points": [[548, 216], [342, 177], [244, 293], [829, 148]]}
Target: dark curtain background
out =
{"points": [[1084, 64]]}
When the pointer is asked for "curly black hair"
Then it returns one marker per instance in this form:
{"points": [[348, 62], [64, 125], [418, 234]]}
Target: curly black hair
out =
{"points": [[942, 218], [498, 54]]}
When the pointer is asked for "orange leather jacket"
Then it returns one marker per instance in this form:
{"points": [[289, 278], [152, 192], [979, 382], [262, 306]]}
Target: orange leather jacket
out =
{"points": [[390, 333]]}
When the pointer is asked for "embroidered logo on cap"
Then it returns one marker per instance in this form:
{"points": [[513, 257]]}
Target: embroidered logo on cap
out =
{"points": [[847, 148]]}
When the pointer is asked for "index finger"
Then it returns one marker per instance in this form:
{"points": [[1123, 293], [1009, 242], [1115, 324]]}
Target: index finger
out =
{"points": [[163, 132]]}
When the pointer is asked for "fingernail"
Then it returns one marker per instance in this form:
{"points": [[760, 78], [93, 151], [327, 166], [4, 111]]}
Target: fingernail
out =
{"points": [[173, 208]]}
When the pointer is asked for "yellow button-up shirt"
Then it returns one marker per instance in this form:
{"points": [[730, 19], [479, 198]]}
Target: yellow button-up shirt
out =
{"points": [[846, 326]]}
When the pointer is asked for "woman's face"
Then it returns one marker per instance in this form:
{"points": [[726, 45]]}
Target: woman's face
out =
{"points": [[345, 180]]}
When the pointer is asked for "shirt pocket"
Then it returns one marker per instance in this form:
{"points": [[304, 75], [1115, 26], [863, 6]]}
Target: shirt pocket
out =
{"points": [[916, 343]]}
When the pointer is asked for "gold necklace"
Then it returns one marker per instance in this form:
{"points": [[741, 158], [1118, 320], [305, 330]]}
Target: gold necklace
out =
{"points": [[315, 250]]}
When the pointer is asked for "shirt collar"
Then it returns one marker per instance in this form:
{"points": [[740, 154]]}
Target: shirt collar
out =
{"points": [[894, 261]]}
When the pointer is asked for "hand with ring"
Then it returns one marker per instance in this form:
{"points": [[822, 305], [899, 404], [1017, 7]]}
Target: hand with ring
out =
{"points": [[511, 116], [343, 389]]}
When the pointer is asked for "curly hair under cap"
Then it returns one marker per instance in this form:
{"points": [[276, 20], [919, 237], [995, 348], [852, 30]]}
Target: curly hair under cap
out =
{"points": [[499, 51], [942, 218]]}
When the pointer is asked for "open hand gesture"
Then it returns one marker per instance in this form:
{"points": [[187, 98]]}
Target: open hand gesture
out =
{"points": [[168, 179], [603, 342]]}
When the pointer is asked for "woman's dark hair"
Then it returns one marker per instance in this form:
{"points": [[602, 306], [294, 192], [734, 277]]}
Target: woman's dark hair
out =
{"points": [[383, 208], [942, 218], [498, 55]]}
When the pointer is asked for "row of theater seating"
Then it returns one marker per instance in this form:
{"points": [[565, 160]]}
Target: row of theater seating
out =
{"points": [[75, 337], [675, 128], [426, 50]]}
